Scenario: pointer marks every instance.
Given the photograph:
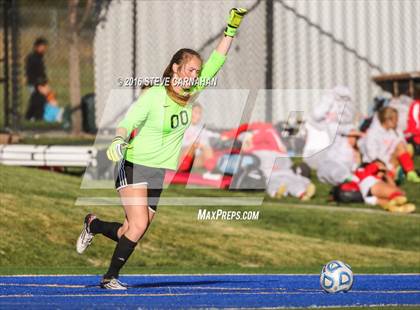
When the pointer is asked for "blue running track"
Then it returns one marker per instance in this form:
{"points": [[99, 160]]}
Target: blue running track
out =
{"points": [[203, 291]]}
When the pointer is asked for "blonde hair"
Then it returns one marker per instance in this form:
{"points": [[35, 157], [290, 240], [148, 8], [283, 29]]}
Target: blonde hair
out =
{"points": [[387, 113]]}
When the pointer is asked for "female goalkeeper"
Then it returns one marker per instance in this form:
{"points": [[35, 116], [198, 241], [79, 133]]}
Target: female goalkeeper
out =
{"points": [[160, 116]]}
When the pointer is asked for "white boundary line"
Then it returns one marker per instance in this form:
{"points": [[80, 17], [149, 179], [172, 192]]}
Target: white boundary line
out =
{"points": [[238, 201], [204, 274], [178, 201], [314, 292], [191, 294], [345, 306], [339, 208]]}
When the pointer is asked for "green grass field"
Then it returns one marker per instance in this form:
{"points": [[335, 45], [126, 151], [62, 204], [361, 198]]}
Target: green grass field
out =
{"points": [[40, 223]]}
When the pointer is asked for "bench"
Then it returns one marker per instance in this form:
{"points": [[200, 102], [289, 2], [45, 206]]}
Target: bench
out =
{"points": [[48, 155]]}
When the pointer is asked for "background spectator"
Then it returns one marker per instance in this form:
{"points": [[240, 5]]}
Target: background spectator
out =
{"points": [[263, 141], [34, 63], [42, 104], [196, 144], [378, 188], [385, 142], [412, 132], [340, 160], [402, 104], [333, 115]]}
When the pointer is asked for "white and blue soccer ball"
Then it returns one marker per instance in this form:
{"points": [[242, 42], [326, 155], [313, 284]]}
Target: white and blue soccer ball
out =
{"points": [[336, 276]]}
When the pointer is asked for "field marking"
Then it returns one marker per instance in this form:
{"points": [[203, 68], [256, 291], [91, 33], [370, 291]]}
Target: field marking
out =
{"points": [[159, 294], [179, 201], [155, 294], [209, 288], [154, 287], [389, 292], [200, 274], [338, 208], [348, 306], [230, 290], [340, 306], [367, 291], [194, 294], [44, 285], [233, 201]]}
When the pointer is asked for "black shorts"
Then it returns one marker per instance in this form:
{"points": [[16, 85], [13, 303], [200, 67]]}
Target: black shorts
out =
{"points": [[128, 173]]}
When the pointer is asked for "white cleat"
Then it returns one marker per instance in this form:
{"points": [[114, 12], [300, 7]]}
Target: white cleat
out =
{"points": [[86, 237], [113, 284]]}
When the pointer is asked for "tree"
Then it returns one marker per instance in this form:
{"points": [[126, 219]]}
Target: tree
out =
{"points": [[75, 25], [96, 11]]}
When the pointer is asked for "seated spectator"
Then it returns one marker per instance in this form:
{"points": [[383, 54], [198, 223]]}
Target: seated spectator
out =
{"points": [[377, 187], [379, 102], [262, 140], [196, 148], [412, 133], [402, 104], [385, 142], [43, 104], [340, 160], [334, 114], [52, 113]]}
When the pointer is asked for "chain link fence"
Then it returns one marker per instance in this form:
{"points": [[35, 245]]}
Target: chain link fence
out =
{"points": [[144, 46], [320, 44], [307, 45], [283, 44]]}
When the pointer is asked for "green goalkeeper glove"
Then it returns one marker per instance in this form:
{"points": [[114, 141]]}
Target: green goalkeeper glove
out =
{"points": [[115, 151], [234, 20]]}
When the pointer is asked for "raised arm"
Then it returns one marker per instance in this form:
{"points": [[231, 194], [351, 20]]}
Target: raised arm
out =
{"points": [[224, 45], [218, 57], [235, 18]]}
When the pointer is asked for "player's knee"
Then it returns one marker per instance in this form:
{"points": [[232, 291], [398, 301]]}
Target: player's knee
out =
{"points": [[138, 227], [122, 230]]}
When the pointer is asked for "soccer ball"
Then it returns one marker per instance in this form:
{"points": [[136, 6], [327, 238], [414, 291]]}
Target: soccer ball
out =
{"points": [[336, 276]]}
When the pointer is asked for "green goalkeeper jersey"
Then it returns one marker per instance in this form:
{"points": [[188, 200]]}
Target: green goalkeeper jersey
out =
{"points": [[161, 122]]}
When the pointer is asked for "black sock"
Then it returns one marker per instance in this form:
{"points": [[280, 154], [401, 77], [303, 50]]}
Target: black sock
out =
{"points": [[121, 254], [108, 229]]}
